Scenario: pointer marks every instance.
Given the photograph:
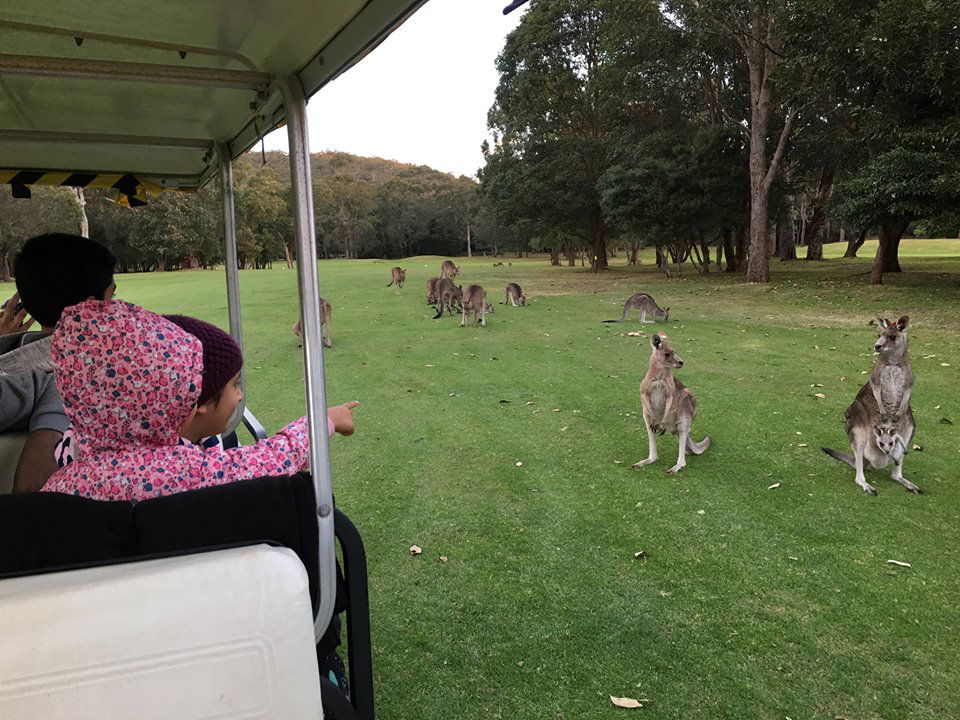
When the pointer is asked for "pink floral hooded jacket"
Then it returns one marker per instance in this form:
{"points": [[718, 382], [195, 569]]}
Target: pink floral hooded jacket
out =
{"points": [[129, 381]]}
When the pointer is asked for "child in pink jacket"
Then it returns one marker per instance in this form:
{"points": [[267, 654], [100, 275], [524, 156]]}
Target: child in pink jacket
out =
{"points": [[134, 382]]}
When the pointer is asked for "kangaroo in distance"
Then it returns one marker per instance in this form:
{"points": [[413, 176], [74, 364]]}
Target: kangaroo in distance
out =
{"points": [[645, 304], [397, 276], [475, 299], [448, 269], [514, 295], [879, 421], [326, 312], [447, 295], [668, 406]]}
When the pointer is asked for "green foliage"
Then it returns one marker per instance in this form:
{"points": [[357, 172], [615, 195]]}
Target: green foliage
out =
{"points": [[679, 185], [49, 209], [901, 185]]}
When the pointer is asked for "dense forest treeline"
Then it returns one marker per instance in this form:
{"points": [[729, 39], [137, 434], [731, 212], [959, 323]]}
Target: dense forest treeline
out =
{"points": [[740, 126], [364, 207]]}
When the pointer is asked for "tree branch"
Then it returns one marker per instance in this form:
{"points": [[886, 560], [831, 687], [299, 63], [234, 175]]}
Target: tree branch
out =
{"points": [[781, 145]]}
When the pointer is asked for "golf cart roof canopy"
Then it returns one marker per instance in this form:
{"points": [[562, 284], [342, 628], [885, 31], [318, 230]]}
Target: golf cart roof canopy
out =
{"points": [[149, 90]]}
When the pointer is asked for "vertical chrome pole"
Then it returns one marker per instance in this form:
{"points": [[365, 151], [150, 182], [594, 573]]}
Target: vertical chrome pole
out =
{"points": [[296, 112], [230, 261]]}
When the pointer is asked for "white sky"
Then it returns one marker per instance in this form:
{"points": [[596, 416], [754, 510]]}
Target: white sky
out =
{"points": [[422, 96]]}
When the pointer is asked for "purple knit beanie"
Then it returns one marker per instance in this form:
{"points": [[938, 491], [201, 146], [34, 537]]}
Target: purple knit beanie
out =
{"points": [[222, 358]]}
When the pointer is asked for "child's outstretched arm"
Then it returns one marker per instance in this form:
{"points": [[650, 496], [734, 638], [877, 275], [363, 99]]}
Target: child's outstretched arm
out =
{"points": [[285, 453]]}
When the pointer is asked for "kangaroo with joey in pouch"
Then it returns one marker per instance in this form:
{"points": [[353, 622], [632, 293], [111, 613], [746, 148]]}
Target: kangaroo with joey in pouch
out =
{"points": [[879, 422]]}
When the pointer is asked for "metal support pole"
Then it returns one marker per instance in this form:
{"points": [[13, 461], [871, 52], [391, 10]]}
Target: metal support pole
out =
{"points": [[230, 262], [296, 112]]}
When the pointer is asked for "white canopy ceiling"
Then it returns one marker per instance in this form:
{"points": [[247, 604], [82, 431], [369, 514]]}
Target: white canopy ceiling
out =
{"points": [[148, 88]]}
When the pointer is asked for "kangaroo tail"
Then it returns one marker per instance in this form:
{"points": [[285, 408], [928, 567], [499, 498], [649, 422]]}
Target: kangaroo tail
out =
{"points": [[390, 283], [842, 457], [698, 448]]}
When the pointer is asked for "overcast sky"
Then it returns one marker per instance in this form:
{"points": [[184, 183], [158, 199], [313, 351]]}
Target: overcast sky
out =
{"points": [[422, 96]]}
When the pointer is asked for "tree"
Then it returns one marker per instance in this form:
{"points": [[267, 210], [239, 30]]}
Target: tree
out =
{"points": [[898, 187], [899, 99], [756, 28], [557, 102], [49, 209]]}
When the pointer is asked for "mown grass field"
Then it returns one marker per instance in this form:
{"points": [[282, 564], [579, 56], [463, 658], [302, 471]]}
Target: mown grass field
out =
{"points": [[749, 603]]}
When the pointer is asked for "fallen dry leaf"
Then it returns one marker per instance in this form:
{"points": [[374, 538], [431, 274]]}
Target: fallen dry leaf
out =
{"points": [[428, 365], [701, 512], [519, 464], [918, 448], [899, 564], [936, 407], [625, 702], [819, 395], [944, 364], [556, 410], [792, 557], [640, 553], [443, 558], [618, 462], [771, 487], [415, 549], [530, 402], [801, 444], [635, 334], [564, 428]]}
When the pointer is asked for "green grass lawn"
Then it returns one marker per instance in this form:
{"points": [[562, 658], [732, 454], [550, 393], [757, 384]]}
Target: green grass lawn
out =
{"points": [[749, 603]]}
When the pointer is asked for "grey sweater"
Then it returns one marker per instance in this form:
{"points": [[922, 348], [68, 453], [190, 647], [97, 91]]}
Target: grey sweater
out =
{"points": [[30, 401]]}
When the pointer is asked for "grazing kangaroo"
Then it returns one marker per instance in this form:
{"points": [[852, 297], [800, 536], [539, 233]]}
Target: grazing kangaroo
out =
{"points": [[397, 276], [448, 269], [668, 406], [514, 295], [325, 313], [475, 299], [432, 290], [879, 421], [645, 304], [448, 294]]}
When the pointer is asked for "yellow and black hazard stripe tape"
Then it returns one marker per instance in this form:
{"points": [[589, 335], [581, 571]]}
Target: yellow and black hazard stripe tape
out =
{"points": [[133, 190]]}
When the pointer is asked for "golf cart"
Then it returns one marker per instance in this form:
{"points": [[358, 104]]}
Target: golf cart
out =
{"points": [[211, 603]]}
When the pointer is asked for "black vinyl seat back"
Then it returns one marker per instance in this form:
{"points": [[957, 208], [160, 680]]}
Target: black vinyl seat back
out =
{"points": [[49, 532]]}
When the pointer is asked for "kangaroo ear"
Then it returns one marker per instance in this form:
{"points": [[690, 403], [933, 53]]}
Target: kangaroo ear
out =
{"points": [[881, 322], [903, 322], [655, 341]]}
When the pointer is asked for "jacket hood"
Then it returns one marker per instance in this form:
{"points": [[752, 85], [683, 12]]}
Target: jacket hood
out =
{"points": [[127, 375]]}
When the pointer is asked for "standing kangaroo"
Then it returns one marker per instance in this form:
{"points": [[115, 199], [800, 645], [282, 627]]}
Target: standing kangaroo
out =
{"points": [[447, 295], [432, 290], [475, 299], [668, 406], [397, 276], [879, 421], [326, 313], [448, 269], [645, 304], [514, 295]]}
